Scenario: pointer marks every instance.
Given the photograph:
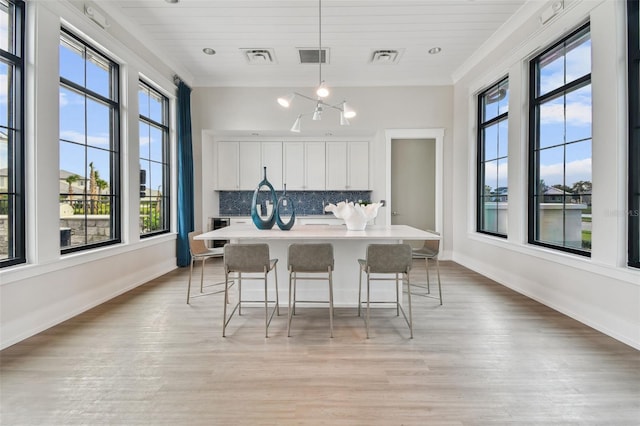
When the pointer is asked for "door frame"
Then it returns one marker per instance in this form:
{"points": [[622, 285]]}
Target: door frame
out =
{"points": [[438, 135]]}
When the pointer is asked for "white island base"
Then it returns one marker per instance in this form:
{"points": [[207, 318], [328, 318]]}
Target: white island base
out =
{"points": [[348, 247]]}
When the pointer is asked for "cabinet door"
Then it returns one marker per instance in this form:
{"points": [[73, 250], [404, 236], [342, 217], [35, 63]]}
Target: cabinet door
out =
{"points": [[315, 166], [227, 162], [358, 167], [250, 161], [294, 165], [272, 159], [336, 166]]}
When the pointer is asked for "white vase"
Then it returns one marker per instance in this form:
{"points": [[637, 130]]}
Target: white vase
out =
{"points": [[355, 216]]}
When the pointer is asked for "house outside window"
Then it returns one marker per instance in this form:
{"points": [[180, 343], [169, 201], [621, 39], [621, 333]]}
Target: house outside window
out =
{"points": [[560, 145], [89, 147], [12, 160], [492, 167], [154, 161]]}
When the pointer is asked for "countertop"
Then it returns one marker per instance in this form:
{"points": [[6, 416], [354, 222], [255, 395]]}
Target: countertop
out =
{"points": [[318, 232]]}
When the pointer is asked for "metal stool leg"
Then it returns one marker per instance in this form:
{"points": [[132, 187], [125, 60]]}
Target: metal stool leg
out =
{"points": [[331, 303]]}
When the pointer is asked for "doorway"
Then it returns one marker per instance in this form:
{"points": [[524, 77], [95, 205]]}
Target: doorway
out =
{"points": [[413, 185], [414, 182]]}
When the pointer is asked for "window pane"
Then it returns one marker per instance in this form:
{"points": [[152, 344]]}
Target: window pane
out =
{"points": [[578, 58], [98, 124], [145, 146], [98, 75], [552, 122], [551, 71], [143, 101], [156, 178], [5, 83], [551, 172], [72, 107], [156, 108], [578, 114], [503, 138], [502, 175], [578, 166], [72, 162], [491, 177], [5, 31], [491, 142], [156, 143], [72, 60], [4, 162]]}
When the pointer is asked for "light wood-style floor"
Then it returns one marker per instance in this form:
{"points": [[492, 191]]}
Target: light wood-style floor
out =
{"points": [[487, 356]]}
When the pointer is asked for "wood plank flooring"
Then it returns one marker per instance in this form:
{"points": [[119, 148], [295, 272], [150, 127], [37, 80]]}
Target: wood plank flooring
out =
{"points": [[488, 356]]}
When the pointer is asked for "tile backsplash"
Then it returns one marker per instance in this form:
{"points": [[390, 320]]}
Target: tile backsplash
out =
{"points": [[238, 203]]}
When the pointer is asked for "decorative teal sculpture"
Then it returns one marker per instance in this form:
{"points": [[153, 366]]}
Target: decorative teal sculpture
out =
{"points": [[285, 202], [255, 216]]}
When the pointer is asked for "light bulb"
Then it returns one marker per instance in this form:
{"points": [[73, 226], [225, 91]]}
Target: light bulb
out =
{"points": [[323, 91], [285, 101], [347, 111]]}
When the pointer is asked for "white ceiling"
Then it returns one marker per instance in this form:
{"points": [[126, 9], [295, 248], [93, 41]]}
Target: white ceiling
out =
{"points": [[351, 29]]}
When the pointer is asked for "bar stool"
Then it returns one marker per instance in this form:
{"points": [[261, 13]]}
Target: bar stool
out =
{"points": [[310, 260], [199, 251], [429, 251], [386, 259], [253, 259]]}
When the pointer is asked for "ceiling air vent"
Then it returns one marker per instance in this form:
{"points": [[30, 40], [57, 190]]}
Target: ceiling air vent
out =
{"points": [[259, 56], [310, 55], [388, 56]]}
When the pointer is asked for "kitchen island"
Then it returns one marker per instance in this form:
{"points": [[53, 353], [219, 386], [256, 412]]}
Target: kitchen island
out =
{"points": [[348, 247]]}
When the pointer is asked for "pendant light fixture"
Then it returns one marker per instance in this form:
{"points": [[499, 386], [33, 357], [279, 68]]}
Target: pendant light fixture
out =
{"points": [[322, 91]]}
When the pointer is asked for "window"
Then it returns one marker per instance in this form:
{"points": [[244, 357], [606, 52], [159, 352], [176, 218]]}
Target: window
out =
{"points": [[12, 164], [560, 145], [633, 23], [493, 111], [89, 147], [154, 161]]}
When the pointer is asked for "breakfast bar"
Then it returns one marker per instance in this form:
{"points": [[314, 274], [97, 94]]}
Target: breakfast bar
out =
{"points": [[349, 246]]}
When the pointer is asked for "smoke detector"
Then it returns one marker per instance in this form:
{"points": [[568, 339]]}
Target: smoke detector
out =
{"points": [[259, 56]]}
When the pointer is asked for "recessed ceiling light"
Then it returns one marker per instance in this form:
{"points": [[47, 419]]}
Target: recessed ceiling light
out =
{"points": [[209, 51], [435, 50], [172, 1]]}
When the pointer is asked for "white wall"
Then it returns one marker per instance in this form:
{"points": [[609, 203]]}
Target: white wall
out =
{"points": [[243, 111], [51, 288], [599, 291]]}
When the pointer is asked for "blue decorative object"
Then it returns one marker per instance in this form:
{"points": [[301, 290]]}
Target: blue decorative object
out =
{"points": [[255, 216], [285, 204]]}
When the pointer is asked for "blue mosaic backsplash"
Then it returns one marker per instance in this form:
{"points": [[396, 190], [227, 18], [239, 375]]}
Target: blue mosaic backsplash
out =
{"points": [[238, 203]]}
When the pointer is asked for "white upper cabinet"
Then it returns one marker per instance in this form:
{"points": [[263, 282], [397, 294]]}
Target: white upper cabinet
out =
{"points": [[227, 161], [250, 165], [304, 165], [241, 165], [358, 167], [272, 159], [347, 166]]}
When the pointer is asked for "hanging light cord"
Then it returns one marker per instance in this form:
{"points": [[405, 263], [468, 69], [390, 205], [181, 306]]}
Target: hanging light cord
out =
{"points": [[320, 41]]}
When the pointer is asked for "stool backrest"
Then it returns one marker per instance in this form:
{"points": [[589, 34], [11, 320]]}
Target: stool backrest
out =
{"points": [[310, 257], [389, 258], [197, 246], [246, 257], [432, 245]]}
